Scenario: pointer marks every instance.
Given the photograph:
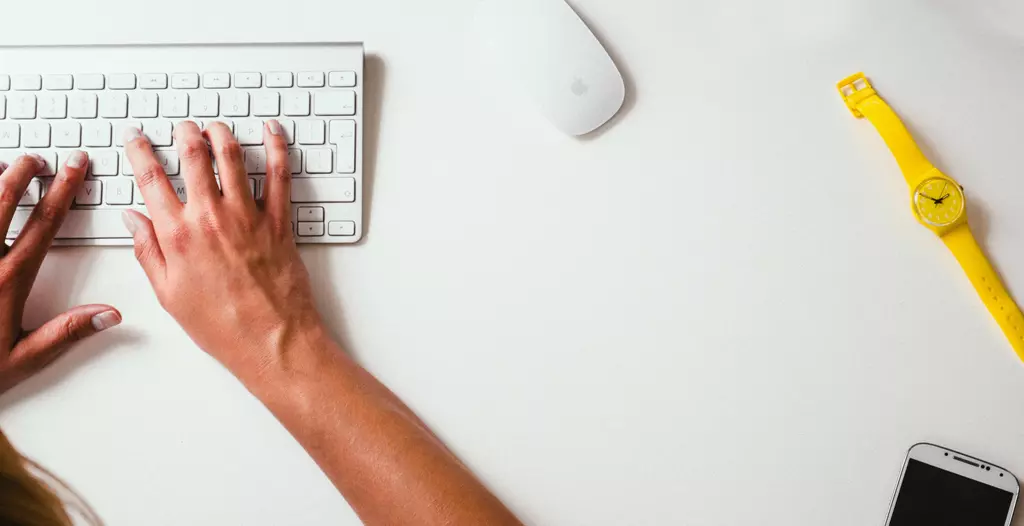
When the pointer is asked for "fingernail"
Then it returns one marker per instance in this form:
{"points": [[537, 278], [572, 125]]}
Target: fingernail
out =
{"points": [[130, 134], [105, 320], [274, 127], [39, 159], [77, 160], [129, 222]]}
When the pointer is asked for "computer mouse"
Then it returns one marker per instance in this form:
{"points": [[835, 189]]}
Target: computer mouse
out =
{"points": [[546, 48]]}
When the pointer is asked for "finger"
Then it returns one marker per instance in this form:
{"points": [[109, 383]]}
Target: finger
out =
{"points": [[46, 218], [196, 164], [13, 183], [234, 181], [278, 184], [161, 201], [147, 249], [47, 343]]}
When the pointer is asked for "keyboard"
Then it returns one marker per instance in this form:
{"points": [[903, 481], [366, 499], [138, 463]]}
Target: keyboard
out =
{"points": [[57, 99]]}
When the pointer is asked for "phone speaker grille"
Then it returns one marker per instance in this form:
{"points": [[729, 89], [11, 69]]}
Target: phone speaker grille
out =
{"points": [[965, 461]]}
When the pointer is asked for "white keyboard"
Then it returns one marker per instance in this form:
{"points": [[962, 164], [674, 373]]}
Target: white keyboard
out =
{"points": [[54, 100]]}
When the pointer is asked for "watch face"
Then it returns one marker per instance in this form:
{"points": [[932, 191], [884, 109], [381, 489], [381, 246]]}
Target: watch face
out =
{"points": [[939, 201]]}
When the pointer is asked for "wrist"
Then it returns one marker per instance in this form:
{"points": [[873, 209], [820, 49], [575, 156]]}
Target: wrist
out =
{"points": [[291, 360]]}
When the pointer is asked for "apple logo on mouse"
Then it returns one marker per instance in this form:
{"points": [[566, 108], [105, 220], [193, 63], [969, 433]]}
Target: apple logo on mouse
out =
{"points": [[579, 87]]}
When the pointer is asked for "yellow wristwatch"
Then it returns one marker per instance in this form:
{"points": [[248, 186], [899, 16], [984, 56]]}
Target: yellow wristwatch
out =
{"points": [[938, 203]]}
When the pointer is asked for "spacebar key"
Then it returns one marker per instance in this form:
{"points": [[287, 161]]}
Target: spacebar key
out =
{"points": [[323, 190], [80, 224]]}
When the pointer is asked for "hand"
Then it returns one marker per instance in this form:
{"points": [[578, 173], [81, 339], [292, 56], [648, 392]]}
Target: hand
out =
{"points": [[224, 266], [22, 354]]}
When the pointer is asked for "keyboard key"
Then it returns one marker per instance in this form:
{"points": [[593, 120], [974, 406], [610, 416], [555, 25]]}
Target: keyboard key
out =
{"points": [[343, 134], [178, 185], [113, 105], [32, 194], [57, 82], [143, 105], [311, 229], [21, 106], [342, 79], [279, 79], [311, 132], [96, 134], [121, 81], [256, 161], [153, 81], [90, 81], [120, 127], [89, 194], [311, 79], [103, 163], [159, 132], [248, 80], [296, 103], [288, 128], [169, 160], [235, 104], [53, 106], [311, 213], [80, 224], [295, 161], [266, 104], [335, 103], [119, 191], [174, 104], [67, 134], [5, 82], [217, 80], [185, 81], [205, 105], [36, 134], [10, 135], [341, 228], [324, 190], [83, 106], [249, 132], [27, 82], [318, 161]]}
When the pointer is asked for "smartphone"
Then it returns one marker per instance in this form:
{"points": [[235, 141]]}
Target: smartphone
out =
{"points": [[940, 486]]}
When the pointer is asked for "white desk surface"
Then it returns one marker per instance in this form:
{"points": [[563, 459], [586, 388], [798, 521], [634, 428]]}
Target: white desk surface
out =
{"points": [[718, 311]]}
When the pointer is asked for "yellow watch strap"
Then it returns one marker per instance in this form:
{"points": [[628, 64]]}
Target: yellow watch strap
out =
{"points": [[985, 280], [864, 101]]}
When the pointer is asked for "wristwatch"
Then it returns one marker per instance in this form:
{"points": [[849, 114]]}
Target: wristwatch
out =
{"points": [[938, 203]]}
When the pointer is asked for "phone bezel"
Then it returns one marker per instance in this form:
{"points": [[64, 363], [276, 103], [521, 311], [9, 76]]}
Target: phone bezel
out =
{"points": [[946, 459]]}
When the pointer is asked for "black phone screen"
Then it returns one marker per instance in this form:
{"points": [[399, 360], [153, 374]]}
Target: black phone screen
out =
{"points": [[931, 496]]}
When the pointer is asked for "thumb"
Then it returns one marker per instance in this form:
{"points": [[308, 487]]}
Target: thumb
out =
{"points": [[42, 346], [147, 249]]}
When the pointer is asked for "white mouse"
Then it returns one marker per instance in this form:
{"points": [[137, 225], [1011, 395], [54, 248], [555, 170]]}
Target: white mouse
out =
{"points": [[548, 50]]}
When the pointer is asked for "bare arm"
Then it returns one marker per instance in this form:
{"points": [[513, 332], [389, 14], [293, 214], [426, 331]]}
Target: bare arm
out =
{"points": [[228, 271]]}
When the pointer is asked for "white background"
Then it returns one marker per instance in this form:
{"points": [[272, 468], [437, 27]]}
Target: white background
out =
{"points": [[718, 311]]}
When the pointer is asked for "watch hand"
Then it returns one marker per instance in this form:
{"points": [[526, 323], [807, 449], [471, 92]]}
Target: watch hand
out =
{"points": [[922, 194]]}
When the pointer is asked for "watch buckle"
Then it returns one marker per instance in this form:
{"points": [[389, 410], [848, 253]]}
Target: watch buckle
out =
{"points": [[855, 89]]}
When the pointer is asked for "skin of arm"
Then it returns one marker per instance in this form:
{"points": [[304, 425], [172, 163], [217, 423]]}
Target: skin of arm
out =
{"points": [[227, 269]]}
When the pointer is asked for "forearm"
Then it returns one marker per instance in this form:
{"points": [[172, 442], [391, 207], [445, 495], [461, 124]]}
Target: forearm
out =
{"points": [[383, 459]]}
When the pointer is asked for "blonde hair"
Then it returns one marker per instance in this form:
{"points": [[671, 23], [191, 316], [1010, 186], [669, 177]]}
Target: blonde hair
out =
{"points": [[32, 496]]}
